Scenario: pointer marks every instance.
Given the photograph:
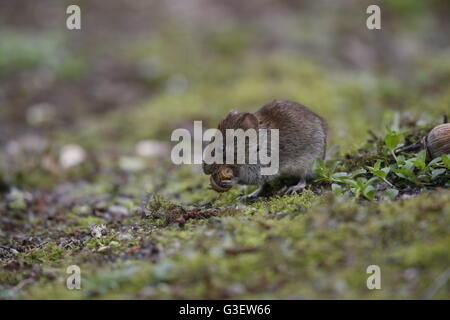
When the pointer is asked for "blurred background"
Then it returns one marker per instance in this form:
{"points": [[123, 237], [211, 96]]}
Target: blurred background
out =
{"points": [[76, 103], [138, 69]]}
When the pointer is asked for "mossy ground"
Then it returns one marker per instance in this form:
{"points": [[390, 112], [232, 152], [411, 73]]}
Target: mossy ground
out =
{"points": [[168, 235]]}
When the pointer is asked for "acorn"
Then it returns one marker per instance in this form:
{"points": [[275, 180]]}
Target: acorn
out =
{"points": [[223, 173], [226, 173], [437, 142]]}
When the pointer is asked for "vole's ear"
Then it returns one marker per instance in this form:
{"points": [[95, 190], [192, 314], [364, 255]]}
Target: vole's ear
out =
{"points": [[248, 121]]}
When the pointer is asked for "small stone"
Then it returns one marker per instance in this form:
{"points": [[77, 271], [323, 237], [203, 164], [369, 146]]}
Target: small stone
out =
{"points": [[118, 210], [101, 206], [124, 236], [103, 249], [97, 231], [71, 156]]}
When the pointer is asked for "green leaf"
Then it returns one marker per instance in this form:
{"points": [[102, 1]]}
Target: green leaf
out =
{"points": [[435, 162], [437, 172], [336, 188], [391, 193], [370, 193], [377, 165], [351, 182], [446, 160], [386, 171], [420, 160], [391, 140], [361, 182], [333, 166], [401, 159], [371, 180], [358, 173], [340, 175], [320, 164]]}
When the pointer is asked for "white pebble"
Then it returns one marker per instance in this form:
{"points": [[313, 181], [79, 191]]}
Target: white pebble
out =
{"points": [[71, 155]]}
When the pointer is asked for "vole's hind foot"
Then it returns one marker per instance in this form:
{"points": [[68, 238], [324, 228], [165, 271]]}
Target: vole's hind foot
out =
{"points": [[298, 188]]}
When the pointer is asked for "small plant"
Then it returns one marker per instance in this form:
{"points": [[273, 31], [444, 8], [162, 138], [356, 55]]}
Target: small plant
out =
{"points": [[405, 169], [416, 169], [439, 166], [380, 172], [362, 186], [392, 140], [445, 159], [324, 171], [358, 185]]}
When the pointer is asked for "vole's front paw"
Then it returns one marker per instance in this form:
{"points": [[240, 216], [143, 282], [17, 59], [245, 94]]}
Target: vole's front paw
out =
{"points": [[247, 197], [298, 188], [251, 196], [228, 183]]}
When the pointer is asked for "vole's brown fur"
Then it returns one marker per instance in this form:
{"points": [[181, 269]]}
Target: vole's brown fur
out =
{"points": [[302, 139]]}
